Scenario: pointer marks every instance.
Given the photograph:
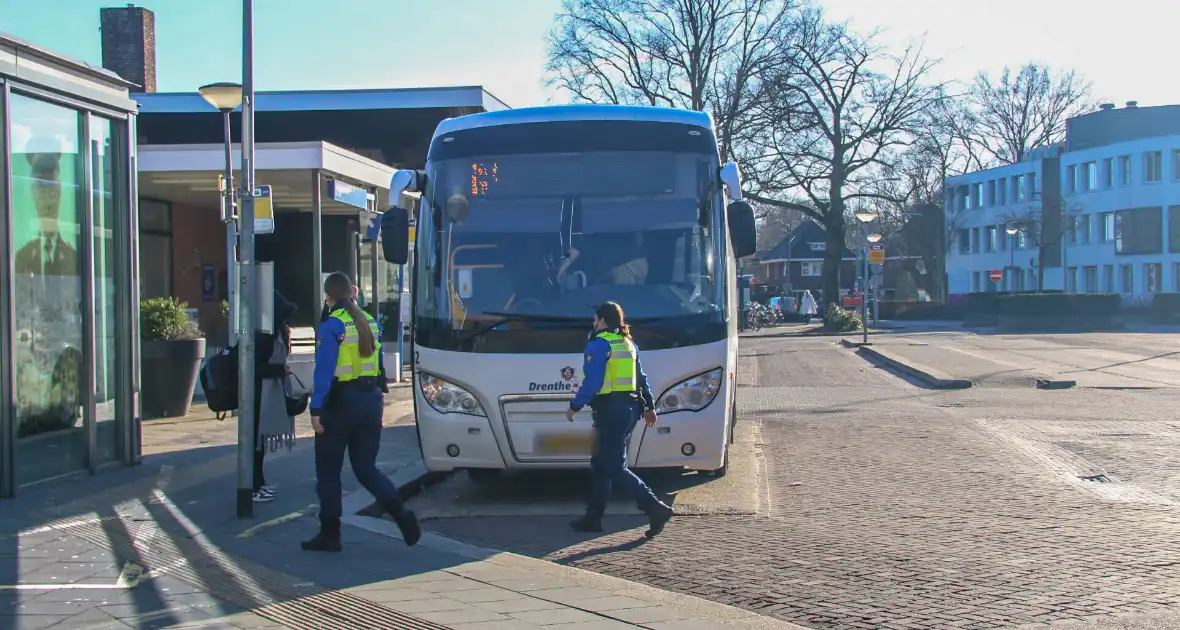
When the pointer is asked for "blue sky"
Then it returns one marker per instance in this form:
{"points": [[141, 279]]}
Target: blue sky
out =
{"points": [[306, 44]]}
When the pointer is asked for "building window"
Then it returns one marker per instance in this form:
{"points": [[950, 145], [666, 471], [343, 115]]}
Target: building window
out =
{"points": [[964, 241], [1108, 278], [1107, 172], [1018, 192], [818, 247], [1032, 186], [155, 249], [1125, 170], [1091, 279], [1089, 176], [1174, 229], [1139, 231], [1153, 166], [991, 192], [1002, 190], [1071, 179], [812, 268], [1084, 229], [1127, 282], [1153, 277], [977, 195], [1107, 227], [975, 240], [1071, 280], [1022, 239], [990, 244], [1176, 164], [1176, 277], [975, 282]]}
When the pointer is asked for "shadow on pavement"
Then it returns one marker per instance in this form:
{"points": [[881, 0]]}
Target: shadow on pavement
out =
{"points": [[160, 544]]}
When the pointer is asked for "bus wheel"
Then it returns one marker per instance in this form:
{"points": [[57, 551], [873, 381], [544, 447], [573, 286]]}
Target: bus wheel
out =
{"points": [[479, 475]]}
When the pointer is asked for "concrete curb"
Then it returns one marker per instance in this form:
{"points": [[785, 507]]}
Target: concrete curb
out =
{"points": [[415, 477], [1045, 382], [923, 374]]}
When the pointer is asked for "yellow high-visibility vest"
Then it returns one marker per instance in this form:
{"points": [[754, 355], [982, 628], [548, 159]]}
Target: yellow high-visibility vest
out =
{"points": [[350, 365], [620, 366]]}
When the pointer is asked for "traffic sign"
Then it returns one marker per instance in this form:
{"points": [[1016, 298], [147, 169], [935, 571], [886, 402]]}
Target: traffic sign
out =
{"points": [[264, 214], [997, 275], [876, 256]]}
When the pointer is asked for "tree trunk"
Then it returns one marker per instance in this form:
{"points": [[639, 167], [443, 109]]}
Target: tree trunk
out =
{"points": [[833, 256]]}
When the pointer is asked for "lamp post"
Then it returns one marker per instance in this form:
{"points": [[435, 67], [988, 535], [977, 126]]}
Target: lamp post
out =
{"points": [[865, 218], [1012, 231], [227, 97]]}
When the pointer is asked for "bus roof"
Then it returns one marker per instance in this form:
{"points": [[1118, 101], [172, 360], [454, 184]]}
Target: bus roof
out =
{"points": [[569, 113]]}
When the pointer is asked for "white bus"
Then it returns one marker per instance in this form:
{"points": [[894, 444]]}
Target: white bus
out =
{"points": [[527, 220]]}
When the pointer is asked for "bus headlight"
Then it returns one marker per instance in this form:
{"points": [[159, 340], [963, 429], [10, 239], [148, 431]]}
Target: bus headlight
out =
{"points": [[692, 394], [446, 397]]}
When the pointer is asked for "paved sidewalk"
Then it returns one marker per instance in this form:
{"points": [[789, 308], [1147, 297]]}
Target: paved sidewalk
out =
{"points": [[159, 546]]}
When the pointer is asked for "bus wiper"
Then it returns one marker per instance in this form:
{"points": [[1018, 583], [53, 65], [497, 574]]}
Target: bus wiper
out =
{"points": [[505, 318]]}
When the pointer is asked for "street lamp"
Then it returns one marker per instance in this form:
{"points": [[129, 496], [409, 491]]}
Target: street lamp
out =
{"points": [[1012, 232], [865, 218], [227, 97]]}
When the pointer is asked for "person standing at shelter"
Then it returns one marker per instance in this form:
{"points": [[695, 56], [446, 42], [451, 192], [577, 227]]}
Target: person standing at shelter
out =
{"points": [[346, 410], [615, 387]]}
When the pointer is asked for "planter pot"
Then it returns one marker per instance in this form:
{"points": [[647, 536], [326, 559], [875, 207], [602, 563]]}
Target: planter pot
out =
{"points": [[169, 376]]}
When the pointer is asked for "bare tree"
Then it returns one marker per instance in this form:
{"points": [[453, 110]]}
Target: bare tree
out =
{"points": [[1046, 232], [1025, 109], [841, 108], [703, 55]]}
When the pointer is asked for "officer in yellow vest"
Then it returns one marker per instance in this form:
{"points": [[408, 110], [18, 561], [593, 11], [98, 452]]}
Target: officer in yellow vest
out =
{"points": [[615, 387], [346, 411]]}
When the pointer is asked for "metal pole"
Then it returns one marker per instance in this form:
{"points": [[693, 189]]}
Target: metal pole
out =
{"points": [[376, 297], [246, 316], [231, 232], [317, 234], [864, 294], [401, 297]]}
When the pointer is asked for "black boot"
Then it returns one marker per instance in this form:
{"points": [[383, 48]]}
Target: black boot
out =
{"points": [[658, 514], [590, 523], [406, 521], [328, 538]]}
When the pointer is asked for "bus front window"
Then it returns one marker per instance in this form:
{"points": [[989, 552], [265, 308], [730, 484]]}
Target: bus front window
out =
{"points": [[564, 238]]}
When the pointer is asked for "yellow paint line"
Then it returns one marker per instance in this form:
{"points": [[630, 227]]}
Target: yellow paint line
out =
{"points": [[276, 521]]}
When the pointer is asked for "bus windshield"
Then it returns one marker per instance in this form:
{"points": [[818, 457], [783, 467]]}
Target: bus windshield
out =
{"points": [[534, 242]]}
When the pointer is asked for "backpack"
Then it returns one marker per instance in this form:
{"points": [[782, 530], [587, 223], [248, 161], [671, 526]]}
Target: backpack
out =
{"points": [[219, 380]]}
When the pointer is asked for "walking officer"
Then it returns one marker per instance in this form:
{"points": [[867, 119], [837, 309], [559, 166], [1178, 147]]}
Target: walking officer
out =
{"points": [[346, 410], [615, 387]]}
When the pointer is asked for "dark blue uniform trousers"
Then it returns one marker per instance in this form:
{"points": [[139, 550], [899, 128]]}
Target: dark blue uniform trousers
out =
{"points": [[615, 417], [352, 423]]}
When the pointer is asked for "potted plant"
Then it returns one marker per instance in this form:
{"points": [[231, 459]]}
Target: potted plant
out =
{"points": [[172, 349]]}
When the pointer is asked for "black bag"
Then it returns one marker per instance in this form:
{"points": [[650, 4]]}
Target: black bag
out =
{"points": [[296, 403], [219, 380]]}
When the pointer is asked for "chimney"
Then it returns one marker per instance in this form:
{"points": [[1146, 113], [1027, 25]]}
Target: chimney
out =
{"points": [[1106, 107], [129, 45], [1132, 104]]}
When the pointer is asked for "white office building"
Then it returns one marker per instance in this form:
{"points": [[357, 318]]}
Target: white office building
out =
{"points": [[1094, 214]]}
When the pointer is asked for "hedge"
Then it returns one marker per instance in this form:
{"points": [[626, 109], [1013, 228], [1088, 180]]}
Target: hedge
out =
{"points": [[1165, 308]]}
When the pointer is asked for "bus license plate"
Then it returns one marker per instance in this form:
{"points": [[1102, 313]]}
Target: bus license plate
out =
{"points": [[564, 444]]}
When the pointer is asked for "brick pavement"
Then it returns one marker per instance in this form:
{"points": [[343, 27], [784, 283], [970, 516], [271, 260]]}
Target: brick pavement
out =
{"points": [[158, 546], [910, 514]]}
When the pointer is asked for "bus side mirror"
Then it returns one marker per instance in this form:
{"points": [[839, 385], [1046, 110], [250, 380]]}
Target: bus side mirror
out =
{"points": [[395, 235], [743, 233], [731, 176]]}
